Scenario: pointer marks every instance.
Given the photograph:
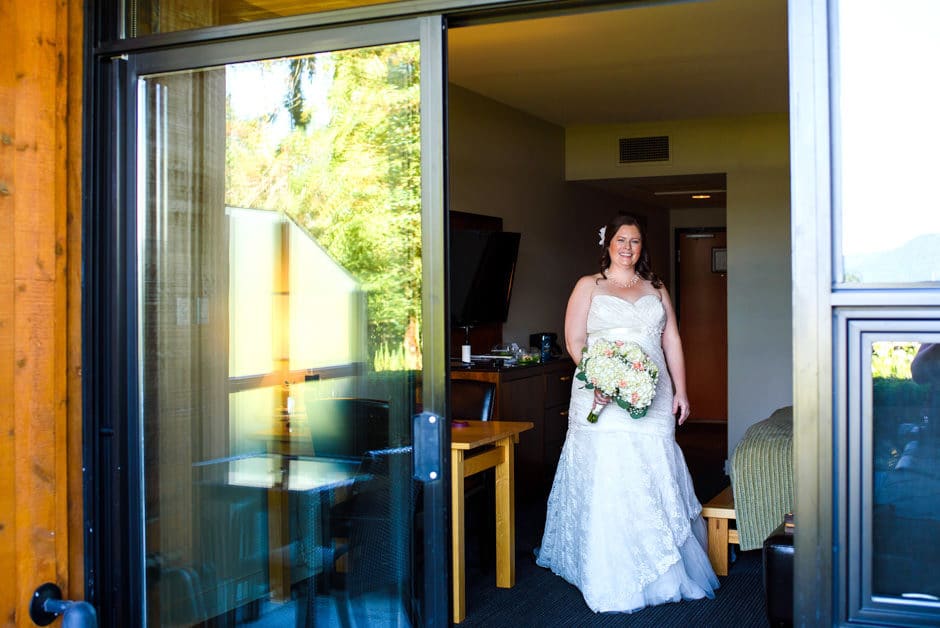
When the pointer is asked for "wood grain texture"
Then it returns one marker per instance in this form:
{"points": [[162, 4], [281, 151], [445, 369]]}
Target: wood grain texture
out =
{"points": [[40, 153], [73, 271], [458, 549], [7, 340], [717, 513], [703, 326], [503, 435], [506, 516]]}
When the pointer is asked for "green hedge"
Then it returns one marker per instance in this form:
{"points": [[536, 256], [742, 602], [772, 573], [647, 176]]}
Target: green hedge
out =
{"points": [[898, 400]]}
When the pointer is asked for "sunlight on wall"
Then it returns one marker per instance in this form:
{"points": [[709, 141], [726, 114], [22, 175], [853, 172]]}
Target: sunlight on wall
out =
{"points": [[253, 247], [317, 322], [327, 311]]}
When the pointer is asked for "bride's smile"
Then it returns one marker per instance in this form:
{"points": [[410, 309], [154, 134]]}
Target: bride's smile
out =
{"points": [[625, 246]]}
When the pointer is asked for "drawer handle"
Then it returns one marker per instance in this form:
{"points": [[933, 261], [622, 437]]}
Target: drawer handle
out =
{"points": [[562, 413], [564, 378]]}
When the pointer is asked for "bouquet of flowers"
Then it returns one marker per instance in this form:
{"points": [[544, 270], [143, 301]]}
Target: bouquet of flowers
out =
{"points": [[623, 372]]}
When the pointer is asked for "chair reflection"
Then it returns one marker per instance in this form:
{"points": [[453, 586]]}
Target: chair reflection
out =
{"points": [[375, 521], [347, 427]]}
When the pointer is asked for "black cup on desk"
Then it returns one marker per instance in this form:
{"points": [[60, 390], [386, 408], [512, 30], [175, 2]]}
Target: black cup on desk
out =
{"points": [[547, 344]]}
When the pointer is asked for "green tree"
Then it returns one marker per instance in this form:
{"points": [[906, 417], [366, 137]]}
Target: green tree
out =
{"points": [[347, 170], [892, 360]]}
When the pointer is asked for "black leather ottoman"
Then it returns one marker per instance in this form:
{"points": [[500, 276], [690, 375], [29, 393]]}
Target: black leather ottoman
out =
{"points": [[778, 577]]}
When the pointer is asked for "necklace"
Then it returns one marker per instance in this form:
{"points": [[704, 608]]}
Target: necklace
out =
{"points": [[626, 284]]}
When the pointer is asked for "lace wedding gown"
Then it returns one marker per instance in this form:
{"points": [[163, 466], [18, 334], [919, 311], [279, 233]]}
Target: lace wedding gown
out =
{"points": [[623, 523]]}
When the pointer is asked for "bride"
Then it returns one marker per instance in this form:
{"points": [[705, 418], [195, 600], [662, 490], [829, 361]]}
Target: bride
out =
{"points": [[623, 523]]}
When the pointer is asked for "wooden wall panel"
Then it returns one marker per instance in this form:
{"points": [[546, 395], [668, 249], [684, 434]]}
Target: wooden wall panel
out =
{"points": [[7, 344], [73, 256], [40, 234]]}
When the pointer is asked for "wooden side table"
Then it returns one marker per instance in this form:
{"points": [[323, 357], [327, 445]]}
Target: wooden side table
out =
{"points": [[717, 512], [469, 455]]}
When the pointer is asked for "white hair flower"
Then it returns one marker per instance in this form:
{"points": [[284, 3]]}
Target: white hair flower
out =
{"points": [[602, 232]]}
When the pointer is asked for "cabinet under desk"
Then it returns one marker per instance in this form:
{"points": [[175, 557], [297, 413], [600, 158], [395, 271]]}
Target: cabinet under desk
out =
{"points": [[538, 393]]}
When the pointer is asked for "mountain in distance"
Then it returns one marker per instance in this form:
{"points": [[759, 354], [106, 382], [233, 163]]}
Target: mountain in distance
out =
{"points": [[915, 260]]}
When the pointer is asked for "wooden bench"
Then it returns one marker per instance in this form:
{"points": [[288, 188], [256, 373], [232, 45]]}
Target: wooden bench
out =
{"points": [[717, 513]]}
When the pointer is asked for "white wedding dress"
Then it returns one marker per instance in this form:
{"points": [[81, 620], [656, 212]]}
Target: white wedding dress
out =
{"points": [[623, 523]]}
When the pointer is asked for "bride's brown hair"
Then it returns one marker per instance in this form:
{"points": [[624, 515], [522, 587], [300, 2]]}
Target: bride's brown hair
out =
{"points": [[642, 266]]}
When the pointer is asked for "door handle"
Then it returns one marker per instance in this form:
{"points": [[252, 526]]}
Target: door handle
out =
{"points": [[47, 604]]}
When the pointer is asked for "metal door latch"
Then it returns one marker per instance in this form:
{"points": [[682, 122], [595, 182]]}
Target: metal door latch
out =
{"points": [[47, 604], [428, 436]]}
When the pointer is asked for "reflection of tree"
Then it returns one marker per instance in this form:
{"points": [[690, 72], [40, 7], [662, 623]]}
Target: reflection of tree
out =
{"points": [[352, 181], [300, 68], [893, 359]]}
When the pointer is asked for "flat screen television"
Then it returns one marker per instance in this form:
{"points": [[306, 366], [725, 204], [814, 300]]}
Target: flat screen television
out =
{"points": [[482, 266]]}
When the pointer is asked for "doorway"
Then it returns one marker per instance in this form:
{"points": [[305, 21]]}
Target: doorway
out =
{"points": [[702, 311], [536, 124]]}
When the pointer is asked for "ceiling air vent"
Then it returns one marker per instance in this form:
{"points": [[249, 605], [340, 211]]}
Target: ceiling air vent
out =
{"points": [[638, 149]]}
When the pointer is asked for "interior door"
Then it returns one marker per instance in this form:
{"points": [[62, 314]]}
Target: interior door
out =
{"points": [[703, 320], [285, 223]]}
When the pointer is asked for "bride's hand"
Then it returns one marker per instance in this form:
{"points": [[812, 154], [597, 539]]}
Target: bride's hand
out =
{"points": [[680, 408], [600, 398]]}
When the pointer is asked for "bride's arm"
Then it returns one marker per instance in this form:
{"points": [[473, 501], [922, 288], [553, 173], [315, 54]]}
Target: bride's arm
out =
{"points": [[675, 360], [576, 316]]}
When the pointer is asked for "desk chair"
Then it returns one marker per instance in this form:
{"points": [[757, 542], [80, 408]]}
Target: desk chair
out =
{"points": [[472, 399]]}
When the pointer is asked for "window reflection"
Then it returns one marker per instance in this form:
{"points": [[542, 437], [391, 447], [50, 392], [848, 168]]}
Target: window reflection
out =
{"points": [[147, 17], [280, 353], [906, 467], [890, 223]]}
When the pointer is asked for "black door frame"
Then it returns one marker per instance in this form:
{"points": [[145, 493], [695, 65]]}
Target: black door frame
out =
{"points": [[115, 566]]}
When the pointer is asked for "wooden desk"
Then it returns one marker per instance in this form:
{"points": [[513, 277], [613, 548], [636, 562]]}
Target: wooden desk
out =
{"points": [[463, 463]]}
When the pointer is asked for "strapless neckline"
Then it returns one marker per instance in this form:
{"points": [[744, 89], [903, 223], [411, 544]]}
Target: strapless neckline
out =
{"points": [[623, 300]]}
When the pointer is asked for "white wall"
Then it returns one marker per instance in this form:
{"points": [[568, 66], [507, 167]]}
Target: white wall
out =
{"points": [[760, 320], [754, 154]]}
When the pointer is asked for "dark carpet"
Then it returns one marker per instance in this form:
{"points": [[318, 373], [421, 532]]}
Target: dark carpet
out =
{"points": [[540, 598]]}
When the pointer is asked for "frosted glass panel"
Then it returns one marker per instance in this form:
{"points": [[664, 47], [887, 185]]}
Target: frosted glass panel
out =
{"points": [[886, 146]]}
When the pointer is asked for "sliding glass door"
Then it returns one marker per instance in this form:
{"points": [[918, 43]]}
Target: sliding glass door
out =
{"points": [[284, 219]]}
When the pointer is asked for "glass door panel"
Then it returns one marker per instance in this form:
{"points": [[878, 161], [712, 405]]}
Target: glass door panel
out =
{"points": [[147, 17], [281, 286], [905, 462], [886, 132]]}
